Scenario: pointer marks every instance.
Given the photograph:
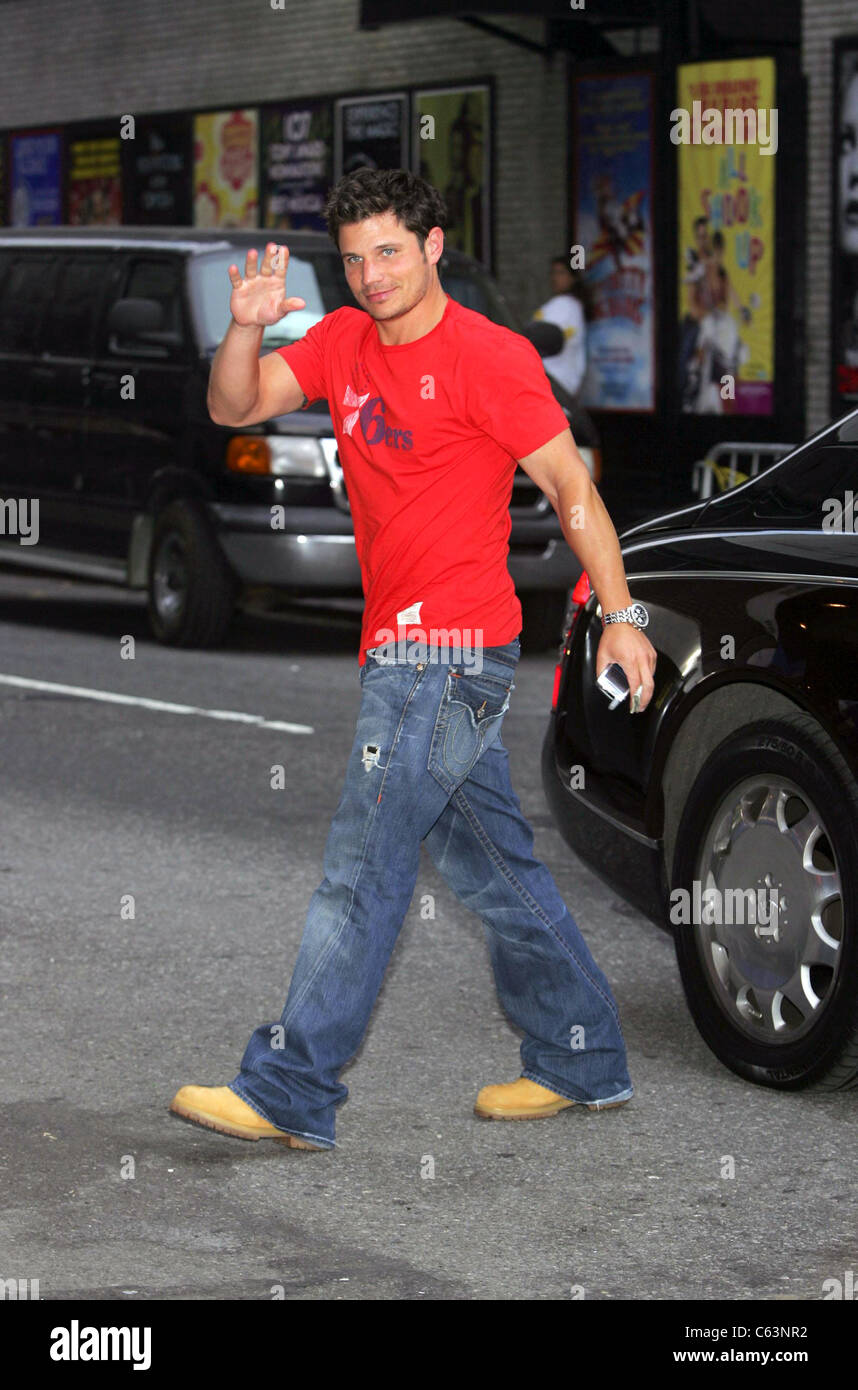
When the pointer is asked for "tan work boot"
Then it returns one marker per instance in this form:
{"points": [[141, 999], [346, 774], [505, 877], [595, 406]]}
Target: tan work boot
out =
{"points": [[217, 1107], [527, 1100]]}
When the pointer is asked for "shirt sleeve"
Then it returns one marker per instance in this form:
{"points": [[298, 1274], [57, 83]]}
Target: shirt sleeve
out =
{"points": [[308, 360], [511, 400]]}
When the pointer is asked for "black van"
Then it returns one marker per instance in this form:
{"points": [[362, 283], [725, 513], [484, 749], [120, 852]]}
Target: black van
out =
{"points": [[107, 450]]}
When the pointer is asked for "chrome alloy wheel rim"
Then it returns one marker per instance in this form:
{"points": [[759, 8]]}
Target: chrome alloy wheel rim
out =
{"points": [[170, 578], [772, 968]]}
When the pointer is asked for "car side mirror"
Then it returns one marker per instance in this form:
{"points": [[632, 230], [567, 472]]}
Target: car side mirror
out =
{"points": [[141, 321], [547, 338]]}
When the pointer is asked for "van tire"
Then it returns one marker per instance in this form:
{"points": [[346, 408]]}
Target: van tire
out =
{"points": [[191, 589]]}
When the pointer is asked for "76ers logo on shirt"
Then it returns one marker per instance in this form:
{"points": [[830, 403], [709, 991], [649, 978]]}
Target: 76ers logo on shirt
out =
{"points": [[352, 398], [370, 411]]}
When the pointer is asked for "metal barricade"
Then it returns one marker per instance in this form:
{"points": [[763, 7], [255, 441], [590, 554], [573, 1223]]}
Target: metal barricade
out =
{"points": [[721, 465]]}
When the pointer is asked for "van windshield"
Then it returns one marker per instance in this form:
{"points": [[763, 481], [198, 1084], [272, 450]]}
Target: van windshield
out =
{"points": [[318, 279], [311, 278]]}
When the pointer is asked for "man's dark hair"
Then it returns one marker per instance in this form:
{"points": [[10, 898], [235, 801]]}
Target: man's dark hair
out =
{"points": [[372, 192], [700, 220], [564, 261]]}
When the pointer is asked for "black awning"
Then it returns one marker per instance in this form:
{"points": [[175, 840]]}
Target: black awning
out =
{"points": [[626, 12], [711, 21]]}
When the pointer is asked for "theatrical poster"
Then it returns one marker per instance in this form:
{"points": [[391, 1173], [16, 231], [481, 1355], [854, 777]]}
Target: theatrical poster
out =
{"points": [[94, 183], [34, 178], [451, 149], [613, 226], [297, 164], [371, 132], [844, 220], [726, 202], [225, 160], [157, 177]]}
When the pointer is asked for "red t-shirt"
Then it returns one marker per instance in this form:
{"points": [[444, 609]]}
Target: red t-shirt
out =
{"points": [[428, 433]]}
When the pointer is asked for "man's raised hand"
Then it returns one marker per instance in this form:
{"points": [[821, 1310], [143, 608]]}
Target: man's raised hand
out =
{"points": [[259, 296]]}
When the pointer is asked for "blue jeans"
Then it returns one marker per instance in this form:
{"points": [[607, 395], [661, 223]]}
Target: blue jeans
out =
{"points": [[428, 764]]}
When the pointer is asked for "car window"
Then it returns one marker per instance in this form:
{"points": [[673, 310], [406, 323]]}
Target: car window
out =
{"points": [[794, 491], [317, 279], [160, 280], [800, 488], [24, 297], [69, 325]]}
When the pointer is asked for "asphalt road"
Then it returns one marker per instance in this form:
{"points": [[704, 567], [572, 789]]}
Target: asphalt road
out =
{"points": [[104, 1015]]}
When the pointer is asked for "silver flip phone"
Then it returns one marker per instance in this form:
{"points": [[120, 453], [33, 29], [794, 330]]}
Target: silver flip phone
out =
{"points": [[612, 683]]}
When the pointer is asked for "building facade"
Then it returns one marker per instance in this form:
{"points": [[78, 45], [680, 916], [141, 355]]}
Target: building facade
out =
{"points": [[81, 70]]}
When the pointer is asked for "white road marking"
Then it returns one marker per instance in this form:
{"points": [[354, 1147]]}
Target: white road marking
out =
{"points": [[165, 706]]}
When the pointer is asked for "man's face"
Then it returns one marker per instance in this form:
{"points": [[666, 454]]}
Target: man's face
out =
{"points": [[847, 168], [386, 271], [701, 235], [561, 278]]}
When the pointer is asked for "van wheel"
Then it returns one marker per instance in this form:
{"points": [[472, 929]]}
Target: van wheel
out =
{"points": [[191, 590], [770, 826], [542, 616]]}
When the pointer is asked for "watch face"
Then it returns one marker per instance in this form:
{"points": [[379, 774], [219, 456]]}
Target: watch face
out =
{"points": [[640, 617]]}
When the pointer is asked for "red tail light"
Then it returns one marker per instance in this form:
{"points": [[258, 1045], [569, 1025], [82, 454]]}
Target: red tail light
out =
{"points": [[557, 669], [582, 590], [577, 599]]}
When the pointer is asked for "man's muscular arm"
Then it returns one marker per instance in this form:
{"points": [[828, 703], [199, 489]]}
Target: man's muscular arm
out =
{"points": [[245, 389]]}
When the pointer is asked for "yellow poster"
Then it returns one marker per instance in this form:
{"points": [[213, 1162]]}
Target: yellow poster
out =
{"points": [[226, 146], [726, 126], [94, 183]]}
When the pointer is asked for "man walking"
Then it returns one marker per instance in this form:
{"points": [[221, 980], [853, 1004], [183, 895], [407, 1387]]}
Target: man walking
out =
{"points": [[432, 405]]}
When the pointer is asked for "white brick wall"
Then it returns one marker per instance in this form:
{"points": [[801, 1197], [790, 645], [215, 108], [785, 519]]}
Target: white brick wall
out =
{"points": [[66, 62], [823, 21]]}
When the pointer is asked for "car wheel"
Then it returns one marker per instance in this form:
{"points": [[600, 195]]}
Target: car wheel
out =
{"points": [[772, 816], [542, 617], [191, 590]]}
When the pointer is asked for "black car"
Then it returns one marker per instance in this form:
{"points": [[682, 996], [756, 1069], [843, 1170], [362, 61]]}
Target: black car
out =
{"points": [[106, 341], [728, 810]]}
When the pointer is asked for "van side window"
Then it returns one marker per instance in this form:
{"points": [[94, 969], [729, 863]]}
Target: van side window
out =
{"points": [[159, 280], [24, 297], [69, 327]]}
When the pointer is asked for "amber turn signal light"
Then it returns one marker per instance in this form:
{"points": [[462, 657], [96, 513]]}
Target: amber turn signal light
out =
{"points": [[248, 453]]}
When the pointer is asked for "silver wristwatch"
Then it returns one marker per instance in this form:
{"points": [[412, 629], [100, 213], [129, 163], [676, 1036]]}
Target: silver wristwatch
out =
{"points": [[636, 614]]}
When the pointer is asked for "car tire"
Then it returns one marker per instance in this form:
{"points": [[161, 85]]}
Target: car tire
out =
{"points": [[542, 615], [774, 809], [191, 589]]}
